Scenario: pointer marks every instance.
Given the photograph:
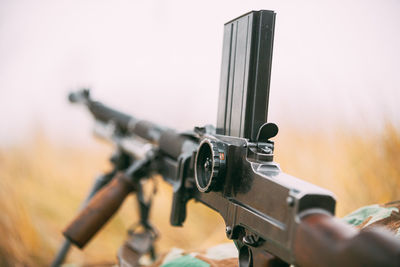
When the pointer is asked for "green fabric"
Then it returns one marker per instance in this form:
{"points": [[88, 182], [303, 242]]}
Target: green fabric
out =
{"points": [[186, 261], [377, 213]]}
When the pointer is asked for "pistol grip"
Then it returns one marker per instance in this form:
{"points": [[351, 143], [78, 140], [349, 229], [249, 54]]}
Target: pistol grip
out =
{"points": [[180, 197], [98, 211], [178, 211]]}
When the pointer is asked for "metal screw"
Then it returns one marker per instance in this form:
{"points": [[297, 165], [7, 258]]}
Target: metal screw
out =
{"points": [[228, 231], [252, 240], [249, 240], [207, 164], [290, 201]]}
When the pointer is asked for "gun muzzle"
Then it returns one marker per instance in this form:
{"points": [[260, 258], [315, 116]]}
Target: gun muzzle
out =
{"points": [[79, 96], [98, 211]]}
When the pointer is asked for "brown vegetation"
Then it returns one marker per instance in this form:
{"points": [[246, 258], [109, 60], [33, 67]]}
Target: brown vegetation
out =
{"points": [[42, 184]]}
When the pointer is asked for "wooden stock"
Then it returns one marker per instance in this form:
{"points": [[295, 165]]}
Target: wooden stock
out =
{"points": [[98, 211], [322, 240]]}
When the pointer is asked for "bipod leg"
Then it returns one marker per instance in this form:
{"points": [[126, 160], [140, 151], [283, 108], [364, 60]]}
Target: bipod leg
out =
{"points": [[145, 203]]}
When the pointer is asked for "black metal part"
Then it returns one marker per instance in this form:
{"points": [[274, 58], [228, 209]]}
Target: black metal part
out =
{"points": [[103, 113], [252, 240], [171, 143], [61, 254], [146, 130], [245, 74], [181, 194], [143, 242], [144, 207], [254, 200], [209, 165], [266, 132], [137, 244], [245, 257], [258, 202], [81, 96]]}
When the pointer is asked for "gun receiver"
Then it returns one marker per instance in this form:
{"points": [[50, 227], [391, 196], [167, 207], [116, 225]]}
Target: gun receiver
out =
{"points": [[231, 170]]}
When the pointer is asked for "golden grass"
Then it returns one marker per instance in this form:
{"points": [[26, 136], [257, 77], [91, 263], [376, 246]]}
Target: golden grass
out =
{"points": [[42, 184], [360, 168]]}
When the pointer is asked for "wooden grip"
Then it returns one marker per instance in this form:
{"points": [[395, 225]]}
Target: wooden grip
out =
{"points": [[99, 209], [322, 240]]}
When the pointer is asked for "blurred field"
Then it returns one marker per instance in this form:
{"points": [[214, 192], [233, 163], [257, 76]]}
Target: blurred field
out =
{"points": [[42, 184]]}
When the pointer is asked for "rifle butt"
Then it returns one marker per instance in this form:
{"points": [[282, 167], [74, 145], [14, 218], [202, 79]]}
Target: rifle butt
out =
{"points": [[322, 240]]}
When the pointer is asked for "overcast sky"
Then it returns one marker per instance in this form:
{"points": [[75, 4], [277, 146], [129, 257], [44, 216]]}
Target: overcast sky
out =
{"points": [[334, 62]]}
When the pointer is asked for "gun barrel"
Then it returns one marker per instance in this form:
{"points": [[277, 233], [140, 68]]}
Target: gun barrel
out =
{"points": [[169, 141], [106, 114]]}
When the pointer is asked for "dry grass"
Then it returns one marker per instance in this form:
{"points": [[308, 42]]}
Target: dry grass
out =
{"points": [[360, 168], [42, 184]]}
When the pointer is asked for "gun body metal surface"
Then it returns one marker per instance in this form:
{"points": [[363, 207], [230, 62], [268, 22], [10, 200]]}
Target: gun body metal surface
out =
{"points": [[270, 215]]}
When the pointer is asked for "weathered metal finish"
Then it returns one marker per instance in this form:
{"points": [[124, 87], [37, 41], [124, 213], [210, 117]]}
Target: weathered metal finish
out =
{"points": [[266, 211], [254, 199]]}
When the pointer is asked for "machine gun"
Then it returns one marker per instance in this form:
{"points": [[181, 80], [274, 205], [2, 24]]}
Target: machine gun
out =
{"points": [[274, 219]]}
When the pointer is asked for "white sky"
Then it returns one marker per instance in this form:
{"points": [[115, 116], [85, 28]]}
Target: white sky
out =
{"points": [[334, 62]]}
